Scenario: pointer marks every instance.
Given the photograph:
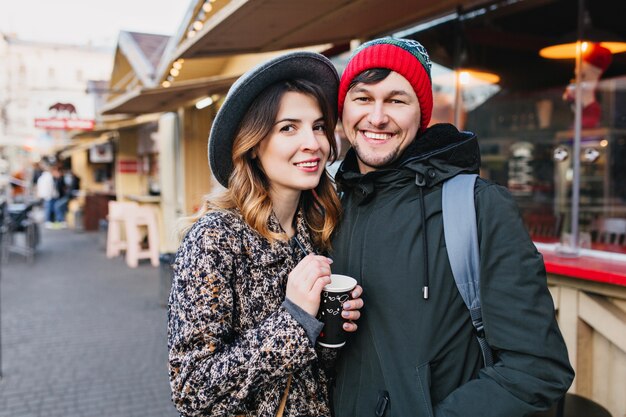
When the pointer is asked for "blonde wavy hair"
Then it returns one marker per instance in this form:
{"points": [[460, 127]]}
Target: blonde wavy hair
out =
{"points": [[248, 186]]}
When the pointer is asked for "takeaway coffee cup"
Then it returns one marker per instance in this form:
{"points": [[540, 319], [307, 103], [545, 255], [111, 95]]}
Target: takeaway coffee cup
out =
{"points": [[333, 297]]}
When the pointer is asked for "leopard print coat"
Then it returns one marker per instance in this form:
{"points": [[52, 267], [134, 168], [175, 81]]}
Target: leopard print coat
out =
{"points": [[232, 346]]}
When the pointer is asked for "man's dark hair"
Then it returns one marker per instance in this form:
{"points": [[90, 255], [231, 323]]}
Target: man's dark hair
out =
{"points": [[370, 76]]}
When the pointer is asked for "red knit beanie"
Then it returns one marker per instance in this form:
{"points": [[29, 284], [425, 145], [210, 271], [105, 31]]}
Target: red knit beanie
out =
{"points": [[404, 56]]}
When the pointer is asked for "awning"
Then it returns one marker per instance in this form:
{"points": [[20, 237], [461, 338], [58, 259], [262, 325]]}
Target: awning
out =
{"points": [[243, 26], [160, 99], [84, 144]]}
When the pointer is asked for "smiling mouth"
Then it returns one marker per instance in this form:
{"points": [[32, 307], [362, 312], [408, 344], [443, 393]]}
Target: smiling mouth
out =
{"points": [[376, 136], [308, 164]]}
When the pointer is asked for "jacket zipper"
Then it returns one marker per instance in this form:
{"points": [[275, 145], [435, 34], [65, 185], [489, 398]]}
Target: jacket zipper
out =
{"points": [[384, 402]]}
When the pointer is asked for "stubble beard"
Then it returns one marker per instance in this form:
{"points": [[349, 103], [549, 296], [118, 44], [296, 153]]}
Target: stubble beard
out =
{"points": [[376, 161]]}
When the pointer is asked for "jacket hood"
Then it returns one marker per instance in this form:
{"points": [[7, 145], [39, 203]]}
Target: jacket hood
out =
{"points": [[441, 152]]}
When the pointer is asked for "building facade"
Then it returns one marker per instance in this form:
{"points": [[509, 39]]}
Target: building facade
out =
{"points": [[34, 76]]}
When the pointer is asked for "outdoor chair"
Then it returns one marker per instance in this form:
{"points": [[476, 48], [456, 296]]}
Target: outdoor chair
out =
{"points": [[611, 231], [133, 228], [116, 236], [19, 230], [543, 225], [140, 220]]}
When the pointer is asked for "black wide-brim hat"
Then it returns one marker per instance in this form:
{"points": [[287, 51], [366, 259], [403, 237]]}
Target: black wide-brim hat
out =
{"points": [[310, 66]]}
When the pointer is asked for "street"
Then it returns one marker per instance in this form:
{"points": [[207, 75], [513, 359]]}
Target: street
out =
{"points": [[82, 335]]}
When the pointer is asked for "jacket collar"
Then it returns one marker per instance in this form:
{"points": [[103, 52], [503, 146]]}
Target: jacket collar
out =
{"points": [[279, 250]]}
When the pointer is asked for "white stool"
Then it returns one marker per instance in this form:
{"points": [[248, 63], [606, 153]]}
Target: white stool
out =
{"points": [[136, 219], [117, 222]]}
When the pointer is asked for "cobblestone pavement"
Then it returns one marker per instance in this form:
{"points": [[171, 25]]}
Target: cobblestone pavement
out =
{"points": [[82, 335]]}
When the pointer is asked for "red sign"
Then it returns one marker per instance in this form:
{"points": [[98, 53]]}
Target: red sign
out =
{"points": [[127, 166], [64, 124]]}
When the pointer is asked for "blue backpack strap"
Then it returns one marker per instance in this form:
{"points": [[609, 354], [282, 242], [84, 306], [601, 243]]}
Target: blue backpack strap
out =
{"points": [[460, 231]]}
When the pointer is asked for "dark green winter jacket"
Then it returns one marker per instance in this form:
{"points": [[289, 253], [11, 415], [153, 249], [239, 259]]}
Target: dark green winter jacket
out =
{"points": [[422, 354]]}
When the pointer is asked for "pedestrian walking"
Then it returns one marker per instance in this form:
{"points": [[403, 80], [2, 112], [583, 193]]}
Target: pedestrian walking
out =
{"points": [[67, 185], [47, 191]]}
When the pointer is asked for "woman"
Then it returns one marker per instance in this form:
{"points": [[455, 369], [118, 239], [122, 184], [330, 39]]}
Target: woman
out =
{"points": [[249, 273]]}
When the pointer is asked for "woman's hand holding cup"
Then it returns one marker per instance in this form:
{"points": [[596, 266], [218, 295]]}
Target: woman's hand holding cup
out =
{"points": [[306, 281], [335, 297]]}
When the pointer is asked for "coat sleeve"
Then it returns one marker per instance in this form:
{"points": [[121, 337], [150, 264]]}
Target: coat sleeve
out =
{"points": [[213, 369], [532, 368]]}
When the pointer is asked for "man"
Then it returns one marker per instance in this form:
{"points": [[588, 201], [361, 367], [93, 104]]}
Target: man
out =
{"points": [[416, 353], [68, 185], [47, 191]]}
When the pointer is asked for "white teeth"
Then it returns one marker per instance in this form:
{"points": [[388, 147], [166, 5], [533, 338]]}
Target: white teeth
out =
{"points": [[372, 135], [307, 164]]}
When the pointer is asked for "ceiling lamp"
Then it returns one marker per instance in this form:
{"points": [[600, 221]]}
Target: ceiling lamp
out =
{"points": [[469, 77], [197, 25], [566, 48], [465, 77], [205, 102]]}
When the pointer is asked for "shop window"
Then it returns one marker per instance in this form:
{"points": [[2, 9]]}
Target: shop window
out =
{"points": [[525, 122]]}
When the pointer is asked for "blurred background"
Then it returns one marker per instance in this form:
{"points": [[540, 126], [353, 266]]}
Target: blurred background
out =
{"points": [[105, 110]]}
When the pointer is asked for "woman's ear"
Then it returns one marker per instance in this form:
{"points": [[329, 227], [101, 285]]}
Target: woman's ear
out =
{"points": [[253, 153]]}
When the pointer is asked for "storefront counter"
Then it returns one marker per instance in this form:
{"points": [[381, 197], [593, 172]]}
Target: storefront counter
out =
{"points": [[96, 209], [586, 268], [589, 294], [143, 199]]}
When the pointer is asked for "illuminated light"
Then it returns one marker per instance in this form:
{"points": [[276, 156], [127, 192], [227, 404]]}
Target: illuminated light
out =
{"points": [[468, 78], [560, 154], [585, 46], [191, 33], [590, 155], [197, 25], [177, 65], [464, 77], [207, 7], [205, 102], [181, 61], [166, 84], [568, 50], [474, 76], [604, 143], [174, 72]]}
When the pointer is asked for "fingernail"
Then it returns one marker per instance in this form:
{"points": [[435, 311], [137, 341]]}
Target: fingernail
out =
{"points": [[346, 326], [346, 305], [330, 261], [345, 314]]}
